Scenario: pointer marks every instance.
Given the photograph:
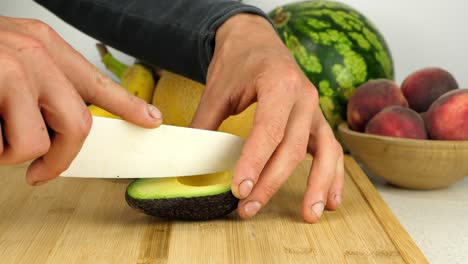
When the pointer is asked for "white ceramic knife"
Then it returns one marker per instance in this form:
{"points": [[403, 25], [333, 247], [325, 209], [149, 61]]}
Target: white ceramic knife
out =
{"points": [[118, 149]]}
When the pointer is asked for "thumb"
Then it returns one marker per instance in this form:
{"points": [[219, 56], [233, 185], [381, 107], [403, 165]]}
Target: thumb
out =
{"points": [[210, 113]]}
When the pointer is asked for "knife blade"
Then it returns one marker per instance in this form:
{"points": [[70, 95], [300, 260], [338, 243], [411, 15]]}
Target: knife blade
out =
{"points": [[116, 148]]}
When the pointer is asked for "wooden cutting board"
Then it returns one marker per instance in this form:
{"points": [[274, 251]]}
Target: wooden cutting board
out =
{"points": [[88, 221]]}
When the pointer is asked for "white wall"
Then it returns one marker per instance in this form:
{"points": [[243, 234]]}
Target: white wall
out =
{"points": [[419, 32], [80, 41]]}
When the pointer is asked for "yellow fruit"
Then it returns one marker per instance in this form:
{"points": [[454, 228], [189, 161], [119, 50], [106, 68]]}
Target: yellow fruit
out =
{"points": [[139, 81], [178, 97], [97, 111], [136, 79]]}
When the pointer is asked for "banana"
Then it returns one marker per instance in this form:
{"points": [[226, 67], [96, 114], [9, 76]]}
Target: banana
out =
{"points": [[97, 111], [178, 97], [137, 79]]}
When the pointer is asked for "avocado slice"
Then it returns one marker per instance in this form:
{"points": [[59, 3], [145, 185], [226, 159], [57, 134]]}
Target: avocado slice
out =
{"points": [[201, 197]]}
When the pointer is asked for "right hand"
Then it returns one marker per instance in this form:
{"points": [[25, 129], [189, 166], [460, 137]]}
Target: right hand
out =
{"points": [[44, 83]]}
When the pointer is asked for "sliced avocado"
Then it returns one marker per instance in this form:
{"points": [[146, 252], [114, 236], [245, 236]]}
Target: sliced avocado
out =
{"points": [[199, 197]]}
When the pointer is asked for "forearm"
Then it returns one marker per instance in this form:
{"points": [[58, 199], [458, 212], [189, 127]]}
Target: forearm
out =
{"points": [[177, 35]]}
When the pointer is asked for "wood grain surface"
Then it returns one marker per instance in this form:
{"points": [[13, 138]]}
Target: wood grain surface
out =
{"points": [[87, 221]]}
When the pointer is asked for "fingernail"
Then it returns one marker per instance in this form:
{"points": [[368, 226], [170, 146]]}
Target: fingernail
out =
{"points": [[251, 208], [317, 209], [245, 188], [338, 199], [154, 112]]}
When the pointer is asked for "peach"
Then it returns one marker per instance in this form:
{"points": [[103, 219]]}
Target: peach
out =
{"points": [[447, 118], [371, 97], [424, 86], [397, 121]]}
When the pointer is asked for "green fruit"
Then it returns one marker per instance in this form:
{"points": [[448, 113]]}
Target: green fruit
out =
{"points": [[200, 197], [337, 48]]}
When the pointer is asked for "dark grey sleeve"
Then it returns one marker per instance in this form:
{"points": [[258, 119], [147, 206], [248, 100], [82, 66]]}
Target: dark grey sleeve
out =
{"points": [[177, 35]]}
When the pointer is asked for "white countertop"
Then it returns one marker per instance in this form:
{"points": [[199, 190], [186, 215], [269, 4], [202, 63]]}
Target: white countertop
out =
{"points": [[436, 220]]}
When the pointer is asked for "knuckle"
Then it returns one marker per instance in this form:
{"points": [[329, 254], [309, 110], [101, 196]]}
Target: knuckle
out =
{"points": [[292, 80], [312, 93], [270, 188], [11, 66], [24, 152], [41, 148], [330, 143], [339, 152], [25, 42], [274, 131], [55, 167], [298, 152], [34, 24], [333, 144], [134, 103], [255, 162], [81, 126], [263, 82], [32, 44], [36, 146], [325, 132], [58, 167], [84, 126], [288, 85], [38, 27], [338, 149], [93, 93], [291, 74], [17, 156]]}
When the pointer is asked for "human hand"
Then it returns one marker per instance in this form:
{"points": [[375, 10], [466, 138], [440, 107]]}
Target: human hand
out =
{"points": [[250, 63], [44, 83]]}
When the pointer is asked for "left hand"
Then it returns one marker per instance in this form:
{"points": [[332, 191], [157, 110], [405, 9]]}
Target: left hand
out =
{"points": [[250, 63]]}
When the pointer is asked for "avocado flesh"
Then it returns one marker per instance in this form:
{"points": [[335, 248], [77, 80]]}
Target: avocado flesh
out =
{"points": [[200, 197]]}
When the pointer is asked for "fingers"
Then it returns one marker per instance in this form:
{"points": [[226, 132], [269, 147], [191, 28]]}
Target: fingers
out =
{"points": [[287, 156], [2, 139], [274, 107], [326, 176], [335, 194], [49, 83], [211, 111], [98, 89], [24, 132], [32, 89], [93, 86], [71, 123], [67, 115]]}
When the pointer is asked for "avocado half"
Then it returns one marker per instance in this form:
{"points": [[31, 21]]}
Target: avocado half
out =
{"points": [[200, 197]]}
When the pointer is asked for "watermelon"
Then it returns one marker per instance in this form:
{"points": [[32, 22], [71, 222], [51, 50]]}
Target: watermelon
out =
{"points": [[337, 48]]}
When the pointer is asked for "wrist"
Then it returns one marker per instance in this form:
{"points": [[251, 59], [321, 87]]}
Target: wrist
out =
{"points": [[242, 23]]}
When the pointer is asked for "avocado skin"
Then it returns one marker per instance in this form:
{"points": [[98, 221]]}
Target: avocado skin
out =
{"points": [[195, 208]]}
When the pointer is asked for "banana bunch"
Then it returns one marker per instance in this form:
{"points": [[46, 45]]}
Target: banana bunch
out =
{"points": [[177, 97], [137, 79]]}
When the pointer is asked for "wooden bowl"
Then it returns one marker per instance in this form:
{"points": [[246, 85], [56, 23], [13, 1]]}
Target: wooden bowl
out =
{"points": [[409, 163]]}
